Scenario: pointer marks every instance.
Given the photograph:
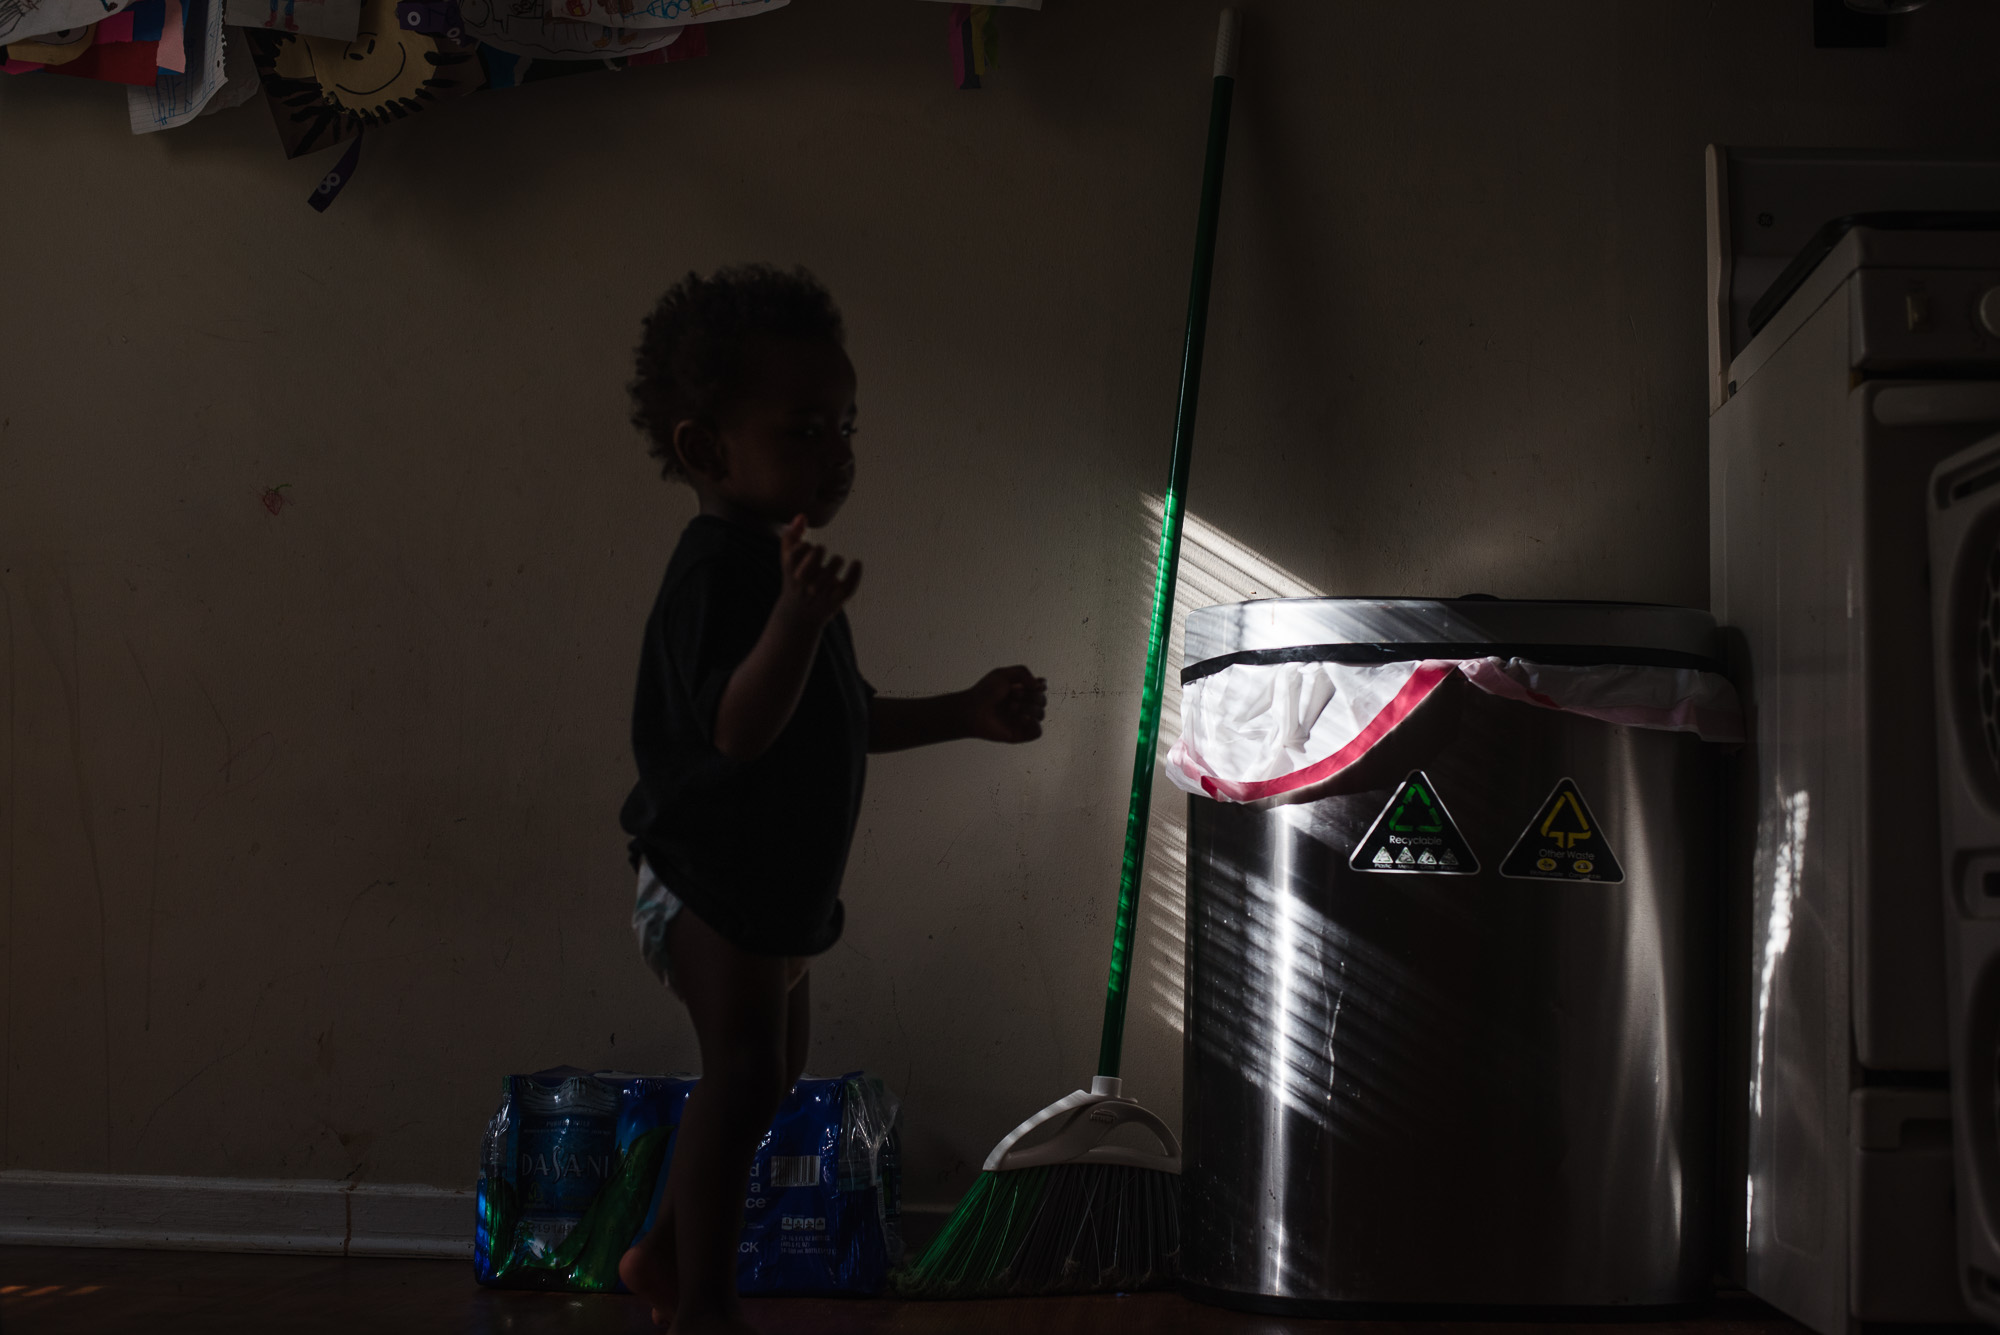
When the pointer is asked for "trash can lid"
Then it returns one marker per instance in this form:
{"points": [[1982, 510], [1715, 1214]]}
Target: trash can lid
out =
{"points": [[1374, 630]]}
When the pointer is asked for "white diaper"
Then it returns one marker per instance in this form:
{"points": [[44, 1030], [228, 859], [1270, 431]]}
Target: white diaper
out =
{"points": [[654, 907]]}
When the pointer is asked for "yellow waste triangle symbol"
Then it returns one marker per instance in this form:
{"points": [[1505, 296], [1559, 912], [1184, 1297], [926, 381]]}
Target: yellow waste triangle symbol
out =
{"points": [[1566, 825], [1563, 842]]}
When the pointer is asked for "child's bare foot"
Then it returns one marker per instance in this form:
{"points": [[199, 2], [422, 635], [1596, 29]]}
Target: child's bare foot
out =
{"points": [[648, 1270]]}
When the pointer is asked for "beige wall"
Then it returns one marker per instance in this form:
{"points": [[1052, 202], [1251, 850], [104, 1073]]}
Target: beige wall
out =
{"points": [[309, 824]]}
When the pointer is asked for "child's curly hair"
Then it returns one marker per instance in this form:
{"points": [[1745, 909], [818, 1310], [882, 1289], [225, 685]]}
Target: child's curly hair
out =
{"points": [[694, 358]]}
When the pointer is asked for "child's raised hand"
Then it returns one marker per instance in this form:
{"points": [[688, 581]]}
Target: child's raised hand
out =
{"points": [[1006, 705], [815, 587]]}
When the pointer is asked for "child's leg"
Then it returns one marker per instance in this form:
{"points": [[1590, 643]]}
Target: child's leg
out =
{"points": [[650, 1267], [741, 1008]]}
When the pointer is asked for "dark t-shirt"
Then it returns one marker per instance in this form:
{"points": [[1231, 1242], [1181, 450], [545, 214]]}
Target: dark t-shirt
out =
{"points": [[755, 848]]}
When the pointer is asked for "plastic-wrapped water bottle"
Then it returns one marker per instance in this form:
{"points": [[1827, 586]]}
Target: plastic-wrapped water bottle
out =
{"points": [[566, 1149]]}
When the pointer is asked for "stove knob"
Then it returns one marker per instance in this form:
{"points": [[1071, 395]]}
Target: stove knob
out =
{"points": [[1989, 311]]}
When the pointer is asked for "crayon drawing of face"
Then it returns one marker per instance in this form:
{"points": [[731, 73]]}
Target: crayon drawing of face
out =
{"points": [[329, 88], [379, 67], [385, 65]]}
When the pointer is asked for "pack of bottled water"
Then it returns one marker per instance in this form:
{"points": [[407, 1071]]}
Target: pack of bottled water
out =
{"points": [[575, 1163]]}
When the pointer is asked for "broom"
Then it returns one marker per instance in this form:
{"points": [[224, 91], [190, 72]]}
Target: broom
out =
{"points": [[1066, 1212]]}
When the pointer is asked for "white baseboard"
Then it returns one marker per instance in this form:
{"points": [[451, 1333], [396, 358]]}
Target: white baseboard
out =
{"points": [[231, 1214], [234, 1214]]}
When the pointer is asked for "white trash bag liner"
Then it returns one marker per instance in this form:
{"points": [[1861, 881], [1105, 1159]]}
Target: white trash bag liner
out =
{"points": [[1256, 731]]}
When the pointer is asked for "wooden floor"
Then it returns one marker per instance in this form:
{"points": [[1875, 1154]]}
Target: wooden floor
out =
{"points": [[90, 1291]]}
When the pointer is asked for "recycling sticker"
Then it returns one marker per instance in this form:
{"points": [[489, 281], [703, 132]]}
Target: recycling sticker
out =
{"points": [[1415, 834], [1563, 842]]}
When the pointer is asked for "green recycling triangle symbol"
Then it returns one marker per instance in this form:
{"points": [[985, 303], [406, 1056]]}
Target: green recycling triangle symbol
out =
{"points": [[1415, 835]]}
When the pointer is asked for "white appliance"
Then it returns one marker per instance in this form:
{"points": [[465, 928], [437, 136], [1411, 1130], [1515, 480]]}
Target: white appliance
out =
{"points": [[1847, 361], [1965, 620]]}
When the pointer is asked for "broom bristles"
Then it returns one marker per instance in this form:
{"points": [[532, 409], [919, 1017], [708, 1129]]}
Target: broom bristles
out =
{"points": [[1068, 1228]]}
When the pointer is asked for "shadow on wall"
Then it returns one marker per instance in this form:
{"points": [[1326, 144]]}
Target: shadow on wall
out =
{"points": [[1214, 568]]}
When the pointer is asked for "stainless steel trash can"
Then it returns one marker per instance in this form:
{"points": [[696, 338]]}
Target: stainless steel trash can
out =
{"points": [[1410, 1084]]}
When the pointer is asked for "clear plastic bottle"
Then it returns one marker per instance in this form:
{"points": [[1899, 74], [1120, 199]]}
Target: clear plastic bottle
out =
{"points": [[567, 1150]]}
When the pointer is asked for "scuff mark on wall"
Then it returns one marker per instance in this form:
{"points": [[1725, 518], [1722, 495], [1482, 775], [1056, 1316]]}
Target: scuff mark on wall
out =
{"points": [[357, 1144], [903, 1040], [41, 614], [359, 895], [250, 1031], [259, 753], [159, 802]]}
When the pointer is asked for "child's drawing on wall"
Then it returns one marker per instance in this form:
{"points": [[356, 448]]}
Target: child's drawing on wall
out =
{"points": [[525, 29], [657, 13], [38, 20], [339, 19], [323, 89]]}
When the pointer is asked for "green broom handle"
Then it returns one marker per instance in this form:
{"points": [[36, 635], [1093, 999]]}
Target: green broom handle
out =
{"points": [[1111, 1050]]}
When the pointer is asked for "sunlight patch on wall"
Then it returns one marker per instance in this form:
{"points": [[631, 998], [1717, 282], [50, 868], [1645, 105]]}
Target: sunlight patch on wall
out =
{"points": [[1214, 568]]}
